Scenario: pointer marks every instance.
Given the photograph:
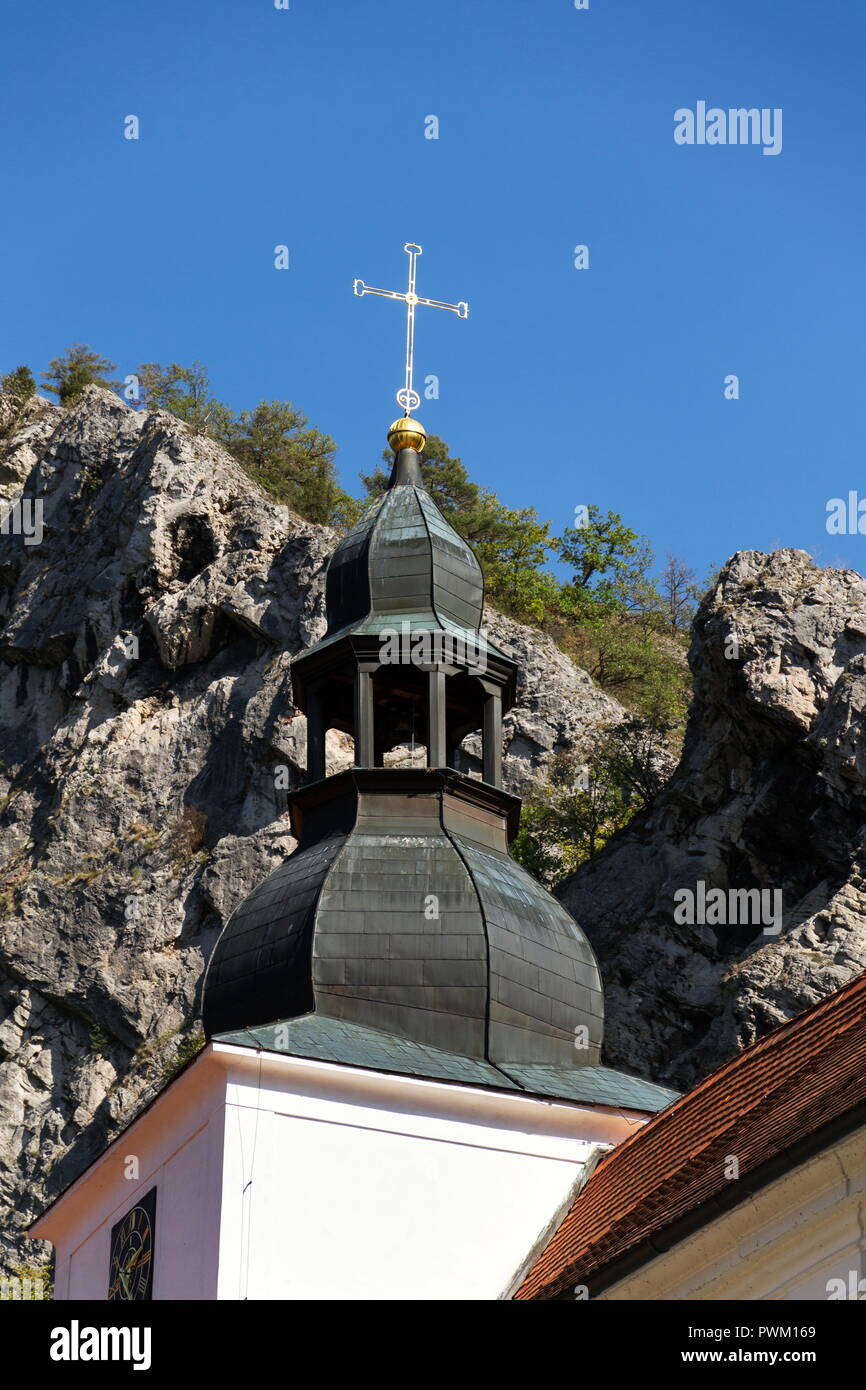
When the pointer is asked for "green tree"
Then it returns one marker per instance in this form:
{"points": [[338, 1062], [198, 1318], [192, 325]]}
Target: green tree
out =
{"points": [[513, 556], [292, 461], [79, 366], [634, 756], [273, 443], [617, 623], [512, 545], [186, 393], [627, 656], [19, 384], [572, 817], [610, 567]]}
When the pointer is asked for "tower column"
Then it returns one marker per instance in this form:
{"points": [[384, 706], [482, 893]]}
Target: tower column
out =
{"points": [[492, 738], [436, 718], [315, 736], [364, 716]]}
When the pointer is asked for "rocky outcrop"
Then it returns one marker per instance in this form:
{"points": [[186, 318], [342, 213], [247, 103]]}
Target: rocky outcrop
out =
{"points": [[148, 739], [24, 431], [558, 708], [770, 794]]}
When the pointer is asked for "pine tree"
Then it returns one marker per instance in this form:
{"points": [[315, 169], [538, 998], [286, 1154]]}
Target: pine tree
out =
{"points": [[292, 461], [79, 366], [186, 393], [19, 384]]}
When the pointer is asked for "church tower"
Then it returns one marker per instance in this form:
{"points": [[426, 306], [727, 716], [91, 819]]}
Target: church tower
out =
{"points": [[401, 1085], [401, 910]]}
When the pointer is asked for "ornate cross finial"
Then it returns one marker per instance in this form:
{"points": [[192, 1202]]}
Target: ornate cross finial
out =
{"points": [[407, 397]]}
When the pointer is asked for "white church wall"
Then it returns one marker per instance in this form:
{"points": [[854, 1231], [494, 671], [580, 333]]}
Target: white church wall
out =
{"points": [[345, 1184], [175, 1146], [283, 1178], [802, 1237]]}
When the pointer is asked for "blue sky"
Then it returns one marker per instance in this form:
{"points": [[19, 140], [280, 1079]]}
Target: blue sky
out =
{"points": [[305, 127]]}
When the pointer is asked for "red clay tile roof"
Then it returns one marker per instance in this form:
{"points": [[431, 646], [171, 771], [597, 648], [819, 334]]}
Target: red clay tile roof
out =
{"points": [[803, 1075]]}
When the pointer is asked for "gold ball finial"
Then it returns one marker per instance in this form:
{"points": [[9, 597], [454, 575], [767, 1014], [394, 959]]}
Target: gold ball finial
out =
{"points": [[407, 433]]}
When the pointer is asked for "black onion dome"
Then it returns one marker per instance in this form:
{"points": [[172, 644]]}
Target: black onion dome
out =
{"points": [[404, 560], [413, 921]]}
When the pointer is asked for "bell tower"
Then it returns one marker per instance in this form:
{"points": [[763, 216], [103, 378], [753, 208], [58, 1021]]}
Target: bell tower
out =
{"points": [[401, 911]]}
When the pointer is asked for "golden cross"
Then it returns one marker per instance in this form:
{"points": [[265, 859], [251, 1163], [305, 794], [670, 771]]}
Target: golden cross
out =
{"points": [[407, 397]]}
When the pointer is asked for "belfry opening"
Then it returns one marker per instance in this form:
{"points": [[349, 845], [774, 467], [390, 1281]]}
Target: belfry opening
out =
{"points": [[405, 662]]}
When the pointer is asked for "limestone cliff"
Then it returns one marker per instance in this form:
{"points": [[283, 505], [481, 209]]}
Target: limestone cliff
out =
{"points": [[770, 794]]}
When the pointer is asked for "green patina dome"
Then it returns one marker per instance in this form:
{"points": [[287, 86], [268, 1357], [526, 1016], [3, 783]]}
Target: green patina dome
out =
{"points": [[408, 916], [404, 560]]}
